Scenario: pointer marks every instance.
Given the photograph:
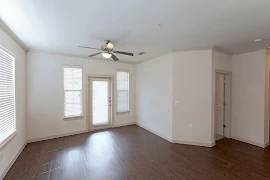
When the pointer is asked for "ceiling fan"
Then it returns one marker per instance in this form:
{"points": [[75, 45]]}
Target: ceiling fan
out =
{"points": [[107, 51]]}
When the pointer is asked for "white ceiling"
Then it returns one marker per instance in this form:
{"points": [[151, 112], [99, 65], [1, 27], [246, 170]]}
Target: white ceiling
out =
{"points": [[61, 25]]}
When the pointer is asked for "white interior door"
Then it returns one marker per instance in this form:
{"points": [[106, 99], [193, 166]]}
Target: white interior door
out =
{"points": [[219, 106], [101, 102]]}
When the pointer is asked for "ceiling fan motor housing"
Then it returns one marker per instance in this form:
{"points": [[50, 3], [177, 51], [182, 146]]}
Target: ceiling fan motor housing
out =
{"points": [[109, 46]]}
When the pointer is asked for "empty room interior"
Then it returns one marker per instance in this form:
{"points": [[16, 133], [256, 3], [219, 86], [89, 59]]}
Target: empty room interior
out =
{"points": [[134, 90]]}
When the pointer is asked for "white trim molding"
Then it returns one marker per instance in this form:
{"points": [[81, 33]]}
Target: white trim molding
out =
{"points": [[12, 35], [252, 50], [215, 48], [177, 141], [121, 125], [55, 136], [224, 51], [75, 133], [13, 161], [154, 132], [250, 142], [194, 143], [8, 140], [193, 49], [77, 56]]}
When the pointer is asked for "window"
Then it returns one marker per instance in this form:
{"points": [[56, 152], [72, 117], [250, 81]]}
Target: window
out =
{"points": [[122, 91], [7, 97], [73, 91]]}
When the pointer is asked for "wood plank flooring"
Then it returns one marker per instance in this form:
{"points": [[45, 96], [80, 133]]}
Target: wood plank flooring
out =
{"points": [[134, 153]]}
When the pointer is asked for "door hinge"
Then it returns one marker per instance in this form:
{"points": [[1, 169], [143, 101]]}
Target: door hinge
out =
{"points": [[224, 103]]}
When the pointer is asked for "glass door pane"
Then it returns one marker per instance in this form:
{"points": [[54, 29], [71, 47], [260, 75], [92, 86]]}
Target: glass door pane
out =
{"points": [[100, 102]]}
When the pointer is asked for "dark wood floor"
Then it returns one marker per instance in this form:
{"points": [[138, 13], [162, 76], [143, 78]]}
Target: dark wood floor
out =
{"points": [[134, 153]]}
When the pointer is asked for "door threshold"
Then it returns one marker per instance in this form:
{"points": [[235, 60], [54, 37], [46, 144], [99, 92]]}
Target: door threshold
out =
{"points": [[100, 128]]}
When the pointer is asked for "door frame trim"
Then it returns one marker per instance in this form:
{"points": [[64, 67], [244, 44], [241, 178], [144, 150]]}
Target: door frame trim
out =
{"points": [[229, 73], [89, 100]]}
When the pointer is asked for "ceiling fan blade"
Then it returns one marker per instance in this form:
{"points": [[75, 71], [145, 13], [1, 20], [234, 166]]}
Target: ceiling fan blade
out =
{"points": [[94, 54], [89, 47], [114, 57], [125, 53]]}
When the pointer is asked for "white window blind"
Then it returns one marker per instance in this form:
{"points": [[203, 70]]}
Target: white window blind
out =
{"points": [[7, 97], [122, 91], [73, 91]]}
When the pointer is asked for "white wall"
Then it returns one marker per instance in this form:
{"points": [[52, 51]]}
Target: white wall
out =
{"points": [[192, 88], [248, 96], [13, 147], [221, 62], [154, 95], [45, 96]]}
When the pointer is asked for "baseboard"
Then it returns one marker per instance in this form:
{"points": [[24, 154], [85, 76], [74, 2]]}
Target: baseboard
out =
{"points": [[125, 124], [177, 141], [250, 142], [13, 161], [266, 144], [154, 132], [194, 143], [74, 133], [55, 136]]}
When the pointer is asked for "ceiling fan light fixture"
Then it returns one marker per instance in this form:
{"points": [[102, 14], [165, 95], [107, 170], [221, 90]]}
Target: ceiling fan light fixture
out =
{"points": [[106, 55]]}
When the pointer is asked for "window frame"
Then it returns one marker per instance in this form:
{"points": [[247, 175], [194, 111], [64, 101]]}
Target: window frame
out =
{"points": [[13, 134], [123, 112], [69, 118]]}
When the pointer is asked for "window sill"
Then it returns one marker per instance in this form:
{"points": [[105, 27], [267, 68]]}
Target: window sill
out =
{"points": [[72, 118], [4, 143], [123, 112]]}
